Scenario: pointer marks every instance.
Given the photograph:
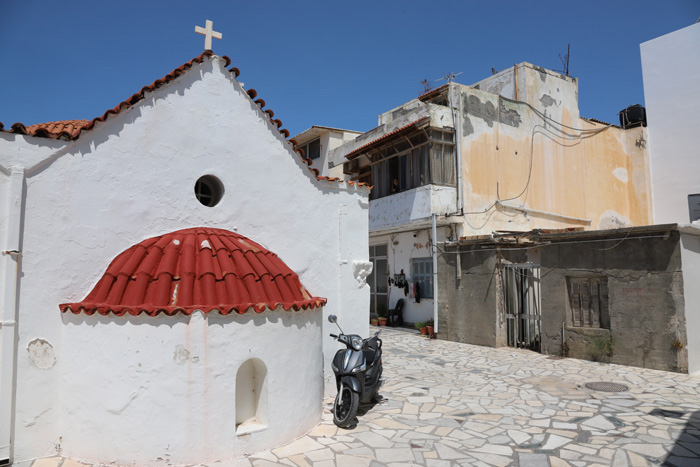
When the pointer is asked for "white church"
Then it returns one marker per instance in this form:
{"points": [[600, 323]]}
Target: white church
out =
{"points": [[167, 269]]}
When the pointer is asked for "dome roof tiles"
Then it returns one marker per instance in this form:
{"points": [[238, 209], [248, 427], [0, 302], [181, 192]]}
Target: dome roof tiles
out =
{"points": [[195, 269]]}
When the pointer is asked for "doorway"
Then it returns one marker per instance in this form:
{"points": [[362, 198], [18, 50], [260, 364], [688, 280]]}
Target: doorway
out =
{"points": [[521, 291]]}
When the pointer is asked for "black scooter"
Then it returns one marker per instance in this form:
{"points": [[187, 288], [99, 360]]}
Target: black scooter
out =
{"points": [[358, 371]]}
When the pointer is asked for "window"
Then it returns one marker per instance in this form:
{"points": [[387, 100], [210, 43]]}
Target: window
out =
{"points": [[422, 273], [312, 149], [426, 157], [209, 190], [588, 301]]}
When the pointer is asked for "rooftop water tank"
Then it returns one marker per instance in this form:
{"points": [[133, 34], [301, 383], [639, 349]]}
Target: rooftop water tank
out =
{"points": [[633, 116]]}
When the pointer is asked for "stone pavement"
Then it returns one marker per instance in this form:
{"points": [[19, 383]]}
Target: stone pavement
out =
{"points": [[450, 404]]}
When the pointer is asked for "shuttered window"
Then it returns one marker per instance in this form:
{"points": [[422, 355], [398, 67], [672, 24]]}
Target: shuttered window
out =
{"points": [[588, 300], [422, 274]]}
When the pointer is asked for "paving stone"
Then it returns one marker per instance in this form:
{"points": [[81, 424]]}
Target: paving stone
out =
{"points": [[526, 459], [47, 462], [299, 446], [394, 455]]}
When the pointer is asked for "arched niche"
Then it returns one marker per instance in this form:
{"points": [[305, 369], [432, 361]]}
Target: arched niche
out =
{"points": [[251, 397]]}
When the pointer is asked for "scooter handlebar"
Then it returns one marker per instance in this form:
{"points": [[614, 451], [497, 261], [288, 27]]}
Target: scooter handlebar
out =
{"points": [[334, 336]]}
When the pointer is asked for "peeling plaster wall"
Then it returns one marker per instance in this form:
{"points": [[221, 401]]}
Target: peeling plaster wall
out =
{"points": [[671, 71], [184, 367], [512, 152], [132, 178]]}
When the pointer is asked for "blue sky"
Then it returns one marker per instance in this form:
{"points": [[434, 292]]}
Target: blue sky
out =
{"points": [[337, 64]]}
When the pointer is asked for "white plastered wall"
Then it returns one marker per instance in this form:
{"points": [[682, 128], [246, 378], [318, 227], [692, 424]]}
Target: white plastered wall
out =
{"points": [[165, 387], [132, 178], [671, 70]]}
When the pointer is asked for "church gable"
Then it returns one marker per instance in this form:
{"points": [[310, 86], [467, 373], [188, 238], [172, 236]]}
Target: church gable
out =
{"points": [[71, 130]]}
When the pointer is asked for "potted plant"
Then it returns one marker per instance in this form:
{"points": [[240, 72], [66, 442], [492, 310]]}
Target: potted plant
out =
{"points": [[430, 324], [381, 311], [374, 321], [422, 328]]}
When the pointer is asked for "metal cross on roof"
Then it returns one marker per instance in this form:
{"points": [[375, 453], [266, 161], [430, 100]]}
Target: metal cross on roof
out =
{"points": [[208, 32]]}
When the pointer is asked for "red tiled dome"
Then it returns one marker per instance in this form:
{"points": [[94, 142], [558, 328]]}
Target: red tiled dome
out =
{"points": [[195, 269]]}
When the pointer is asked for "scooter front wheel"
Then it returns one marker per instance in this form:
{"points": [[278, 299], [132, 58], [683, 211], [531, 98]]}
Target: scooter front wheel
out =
{"points": [[345, 407]]}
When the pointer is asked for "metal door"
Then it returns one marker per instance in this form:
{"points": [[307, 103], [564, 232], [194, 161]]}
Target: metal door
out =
{"points": [[521, 291]]}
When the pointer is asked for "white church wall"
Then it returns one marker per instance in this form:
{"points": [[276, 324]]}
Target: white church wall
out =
{"points": [[133, 177], [165, 387]]}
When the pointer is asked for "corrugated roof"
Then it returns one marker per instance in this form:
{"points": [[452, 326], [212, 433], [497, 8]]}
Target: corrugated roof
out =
{"points": [[196, 269]]}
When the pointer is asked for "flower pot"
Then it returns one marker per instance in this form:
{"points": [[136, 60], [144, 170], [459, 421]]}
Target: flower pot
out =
{"points": [[382, 321], [424, 331], [430, 330], [374, 321]]}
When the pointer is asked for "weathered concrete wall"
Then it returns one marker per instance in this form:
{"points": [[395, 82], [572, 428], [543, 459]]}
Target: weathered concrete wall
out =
{"points": [[645, 287], [471, 307], [646, 304]]}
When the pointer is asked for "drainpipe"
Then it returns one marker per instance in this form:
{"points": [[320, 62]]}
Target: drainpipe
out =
{"points": [[435, 275], [8, 317], [457, 122]]}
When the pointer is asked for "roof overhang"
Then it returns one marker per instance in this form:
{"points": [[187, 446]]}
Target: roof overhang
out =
{"points": [[397, 133]]}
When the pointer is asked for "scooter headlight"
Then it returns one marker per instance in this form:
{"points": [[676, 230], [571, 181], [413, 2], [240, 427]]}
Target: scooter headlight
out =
{"points": [[356, 343]]}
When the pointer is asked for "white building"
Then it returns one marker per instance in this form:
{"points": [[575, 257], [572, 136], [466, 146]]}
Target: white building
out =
{"points": [[671, 69], [144, 365], [318, 141]]}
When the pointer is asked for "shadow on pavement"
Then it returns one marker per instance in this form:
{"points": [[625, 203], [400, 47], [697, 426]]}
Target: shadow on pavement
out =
{"points": [[686, 451]]}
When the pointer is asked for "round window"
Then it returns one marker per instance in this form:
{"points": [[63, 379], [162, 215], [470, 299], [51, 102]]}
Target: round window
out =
{"points": [[209, 190]]}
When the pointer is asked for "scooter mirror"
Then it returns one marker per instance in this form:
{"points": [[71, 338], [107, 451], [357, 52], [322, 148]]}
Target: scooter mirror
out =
{"points": [[332, 318]]}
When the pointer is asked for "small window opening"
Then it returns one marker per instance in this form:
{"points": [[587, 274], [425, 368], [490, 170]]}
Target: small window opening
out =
{"points": [[209, 190], [251, 397], [588, 301], [312, 149]]}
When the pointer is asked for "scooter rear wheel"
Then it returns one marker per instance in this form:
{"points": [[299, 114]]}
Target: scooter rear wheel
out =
{"points": [[345, 407]]}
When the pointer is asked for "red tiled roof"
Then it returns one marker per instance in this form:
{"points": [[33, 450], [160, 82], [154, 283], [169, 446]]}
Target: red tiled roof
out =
{"points": [[72, 129], [364, 148], [196, 269]]}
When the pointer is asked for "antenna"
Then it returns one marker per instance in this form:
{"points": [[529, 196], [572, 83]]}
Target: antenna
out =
{"points": [[426, 85], [450, 77], [565, 61]]}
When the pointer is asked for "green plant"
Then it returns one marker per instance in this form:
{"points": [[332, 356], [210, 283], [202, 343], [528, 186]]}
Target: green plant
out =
{"points": [[381, 310], [602, 349], [420, 324], [430, 322]]}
